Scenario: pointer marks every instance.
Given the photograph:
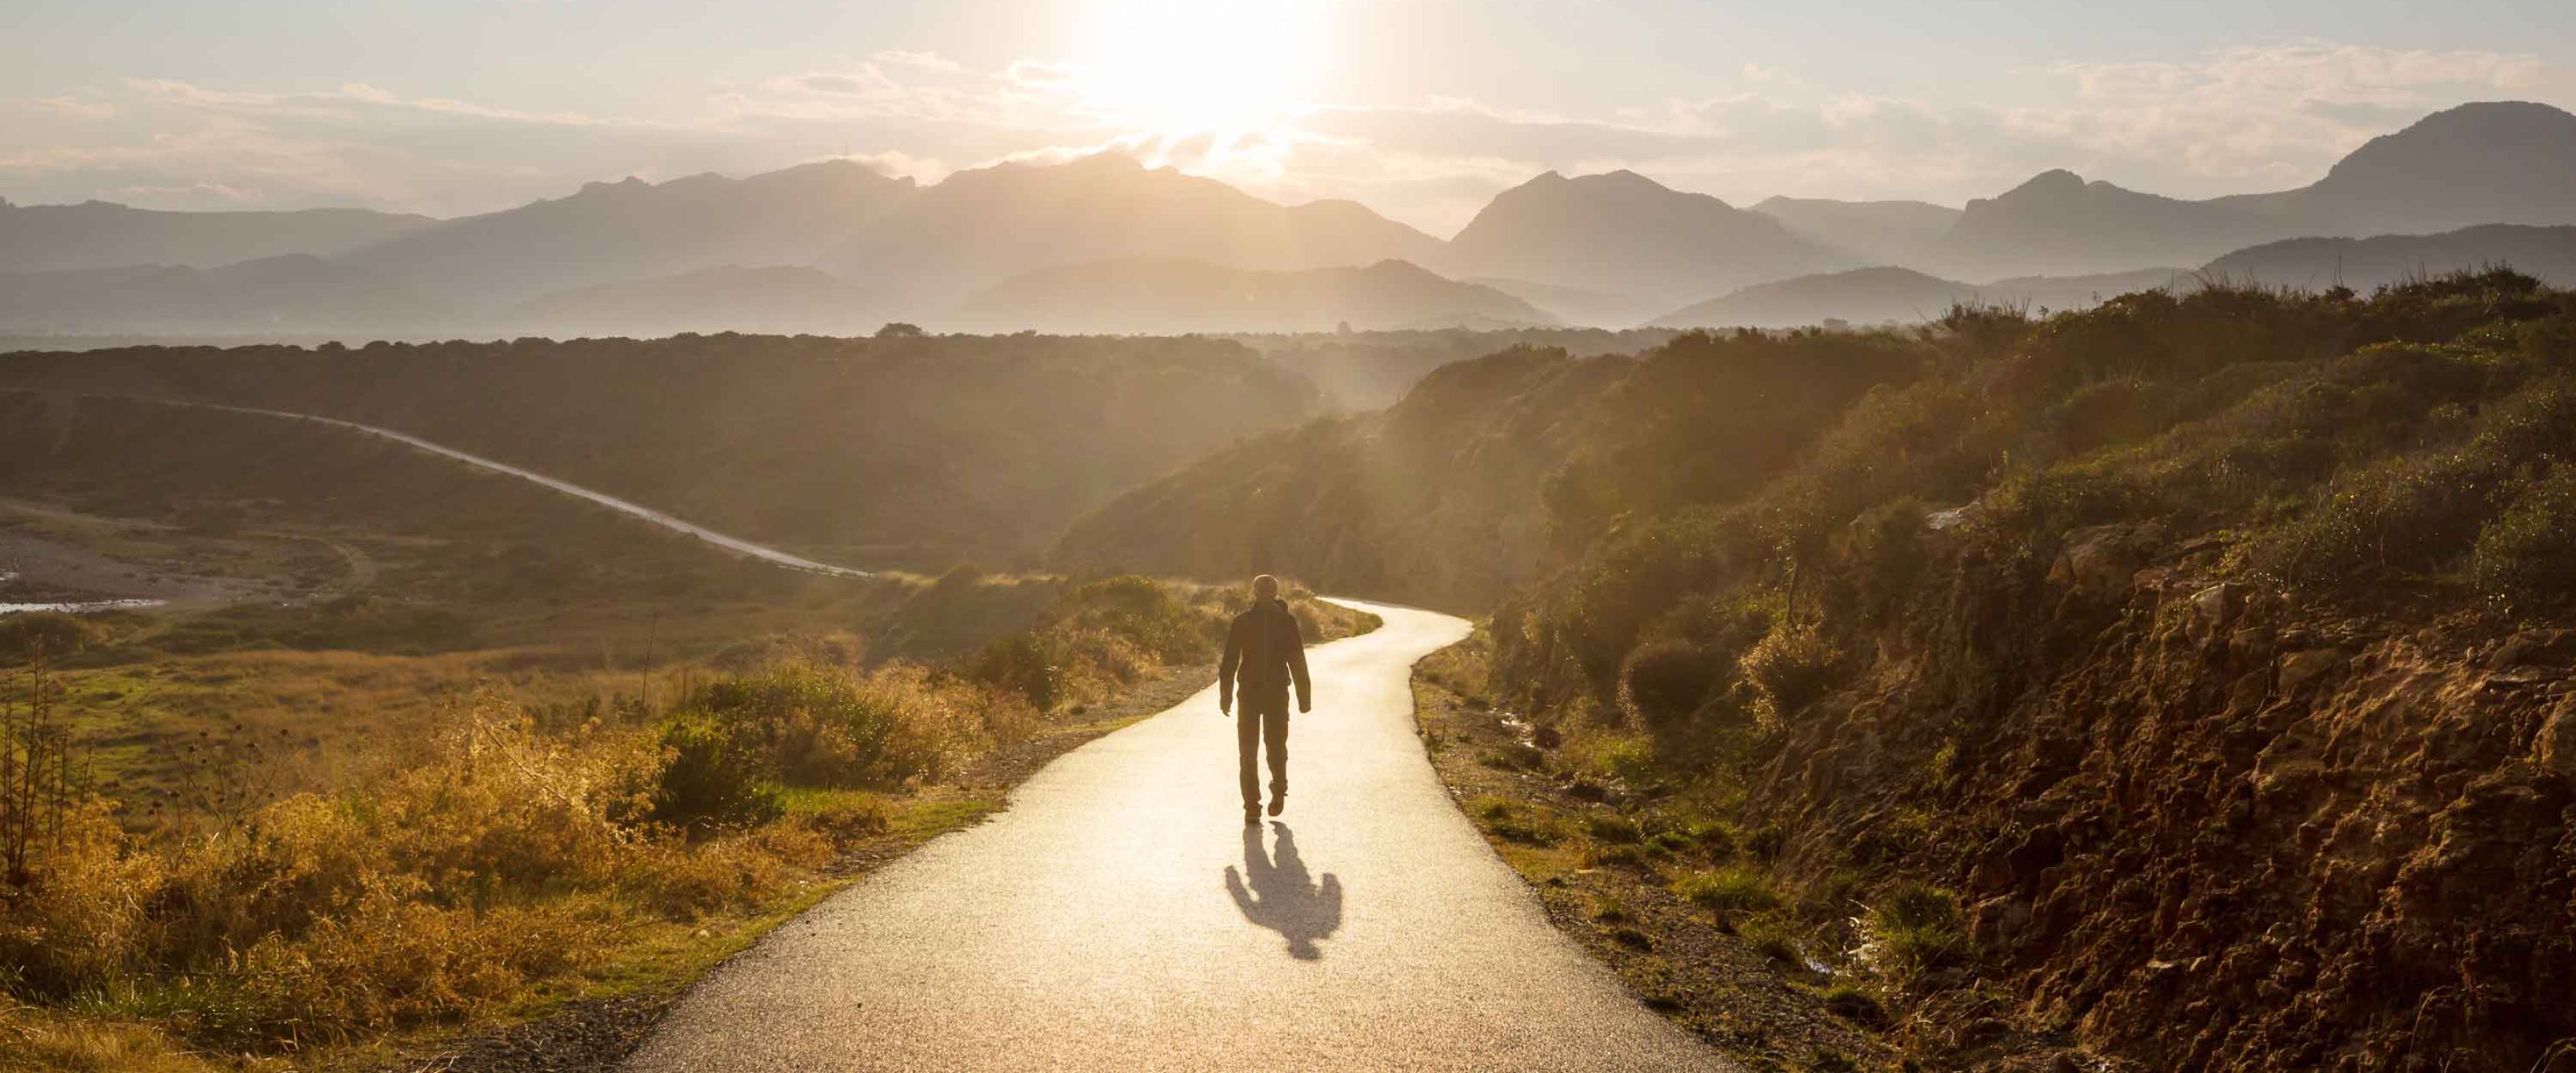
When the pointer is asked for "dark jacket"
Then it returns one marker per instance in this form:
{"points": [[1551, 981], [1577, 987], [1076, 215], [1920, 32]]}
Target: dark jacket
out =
{"points": [[1263, 652]]}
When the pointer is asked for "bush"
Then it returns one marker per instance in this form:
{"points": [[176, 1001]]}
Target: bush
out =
{"points": [[1017, 663], [1667, 681], [2526, 557], [714, 776], [1789, 669]]}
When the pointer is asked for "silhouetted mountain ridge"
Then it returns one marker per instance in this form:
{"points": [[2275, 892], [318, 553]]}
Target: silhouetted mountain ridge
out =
{"points": [[1626, 234]]}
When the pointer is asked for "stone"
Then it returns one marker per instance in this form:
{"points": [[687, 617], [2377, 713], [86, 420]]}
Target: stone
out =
{"points": [[2300, 668], [2099, 558], [2216, 606], [2556, 745]]}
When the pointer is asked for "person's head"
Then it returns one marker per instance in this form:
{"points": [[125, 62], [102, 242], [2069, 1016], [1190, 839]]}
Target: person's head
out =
{"points": [[1265, 588]]}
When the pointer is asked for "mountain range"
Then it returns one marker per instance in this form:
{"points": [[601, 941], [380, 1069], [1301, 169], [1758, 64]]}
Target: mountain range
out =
{"points": [[1142, 295], [1105, 243]]}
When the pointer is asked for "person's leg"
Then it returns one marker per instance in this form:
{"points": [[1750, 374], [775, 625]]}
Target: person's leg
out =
{"points": [[1274, 732], [1247, 737]]}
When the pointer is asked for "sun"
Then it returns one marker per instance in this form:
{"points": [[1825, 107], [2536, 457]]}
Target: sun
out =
{"points": [[1224, 65]]}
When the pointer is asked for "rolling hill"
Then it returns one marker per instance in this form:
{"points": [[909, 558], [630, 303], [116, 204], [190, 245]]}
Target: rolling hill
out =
{"points": [[1171, 295], [1903, 296], [100, 234], [1859, 296], [777, 300], [879, 452], [291, 294], [2364, 264]]}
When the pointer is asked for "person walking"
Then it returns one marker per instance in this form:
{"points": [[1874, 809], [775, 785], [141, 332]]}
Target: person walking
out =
{"points": [[1264, 653]]}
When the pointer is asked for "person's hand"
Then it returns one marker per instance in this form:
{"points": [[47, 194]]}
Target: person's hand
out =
{"points": [[1225, 706], [1304, 706]]}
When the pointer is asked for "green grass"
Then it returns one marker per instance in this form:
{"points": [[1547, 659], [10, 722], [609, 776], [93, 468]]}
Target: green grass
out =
{"points": [[1731, 890]]}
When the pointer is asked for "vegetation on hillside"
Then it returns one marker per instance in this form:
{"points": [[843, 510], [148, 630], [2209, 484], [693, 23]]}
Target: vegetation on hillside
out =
{"points": [[2177, 680], [892, 451]]}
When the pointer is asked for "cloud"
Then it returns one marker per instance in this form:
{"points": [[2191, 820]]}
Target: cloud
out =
{"points": [[2231, 120]]}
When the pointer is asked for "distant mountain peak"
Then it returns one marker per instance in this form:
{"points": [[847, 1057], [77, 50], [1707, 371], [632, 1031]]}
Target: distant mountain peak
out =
{"points": [[2055, 182]]}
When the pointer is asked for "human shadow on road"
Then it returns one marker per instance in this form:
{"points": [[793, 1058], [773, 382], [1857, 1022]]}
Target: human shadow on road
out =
{"points": [[1281, 896]]}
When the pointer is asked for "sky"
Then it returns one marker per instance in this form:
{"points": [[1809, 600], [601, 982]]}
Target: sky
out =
{"points": [[1421, 109]]}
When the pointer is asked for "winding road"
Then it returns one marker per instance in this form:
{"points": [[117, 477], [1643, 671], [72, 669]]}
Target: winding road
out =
{"points": [[1120, 917], [733, 544]]}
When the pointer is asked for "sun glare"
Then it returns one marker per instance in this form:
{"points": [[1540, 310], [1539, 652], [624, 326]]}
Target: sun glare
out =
{"points": [[1226, 65]]}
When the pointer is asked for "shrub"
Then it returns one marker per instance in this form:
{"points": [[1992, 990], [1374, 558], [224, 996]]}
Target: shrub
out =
{"points": [[714, 775], [2526, 557], [1665, 682], [1019, 664], [1789, 669]]}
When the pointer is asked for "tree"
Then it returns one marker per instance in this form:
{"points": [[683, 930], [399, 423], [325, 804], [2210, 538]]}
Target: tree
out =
{"points": [[900, 330]]}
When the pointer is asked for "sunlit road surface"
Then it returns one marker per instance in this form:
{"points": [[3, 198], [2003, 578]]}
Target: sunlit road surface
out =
{"points": [[1119, 916]]}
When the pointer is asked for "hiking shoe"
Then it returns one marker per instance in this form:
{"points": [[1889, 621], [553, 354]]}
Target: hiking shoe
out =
{"points": [[1277, 802], [1252, 815]]}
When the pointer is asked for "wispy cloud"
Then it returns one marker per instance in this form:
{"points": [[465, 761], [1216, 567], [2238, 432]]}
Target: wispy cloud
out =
{"points": [[2230, 120]]}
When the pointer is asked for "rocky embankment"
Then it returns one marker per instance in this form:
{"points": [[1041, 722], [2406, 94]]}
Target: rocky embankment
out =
{"points": [[2201, 826]]}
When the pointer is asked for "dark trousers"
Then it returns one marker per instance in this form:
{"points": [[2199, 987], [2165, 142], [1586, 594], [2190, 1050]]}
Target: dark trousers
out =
{"points": [[1257, 724]]}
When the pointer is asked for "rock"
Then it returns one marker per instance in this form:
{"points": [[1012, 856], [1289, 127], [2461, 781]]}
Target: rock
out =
{"points": [[2523, 674], [1999, 921], [1982, 1031], [2300, 668], [2556, 745], [2535, 646], [2065, 1063], [2098, 558], [2216, 606]]}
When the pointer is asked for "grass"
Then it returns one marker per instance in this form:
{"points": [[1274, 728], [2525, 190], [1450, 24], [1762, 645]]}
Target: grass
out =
{"points": [[1728, 891], [499, 858]]}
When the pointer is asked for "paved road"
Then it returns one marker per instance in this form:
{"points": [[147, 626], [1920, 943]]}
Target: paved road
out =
{"points": [[1120, 917], [733, 544]]}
